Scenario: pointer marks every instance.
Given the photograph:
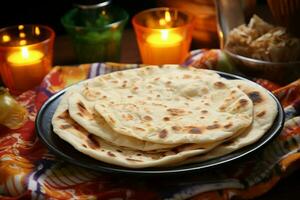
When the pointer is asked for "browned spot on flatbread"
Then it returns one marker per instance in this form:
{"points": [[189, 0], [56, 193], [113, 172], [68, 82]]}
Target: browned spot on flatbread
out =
{"points": [[168, 82], [222, 108], [135, 88], [92, 142], [243, 102], [163, 133], [84, 145], [129, 97], [111, 120], [166, 119], [204, 111], [255, 97], [147, 118], [262, 113], [111, 154], [134, 160], [83, 111], [195, 130], [66, 126], [219, 85], [176, 128], [127, 117], [214, 126], [228, 125], [63, 115], [81, 106], [176, 111], [138, 128], [156, 79], [114, 81], [80, 114]]}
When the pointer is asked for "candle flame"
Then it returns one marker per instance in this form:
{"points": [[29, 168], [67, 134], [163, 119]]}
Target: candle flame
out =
{"points": [[37, 30], [167, 16], [5, 38], [25, 53]]}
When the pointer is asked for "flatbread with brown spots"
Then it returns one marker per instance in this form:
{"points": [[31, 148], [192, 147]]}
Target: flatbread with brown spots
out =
{"points": [[264, 113], [171, 104], [70, 131], [82, 111]]}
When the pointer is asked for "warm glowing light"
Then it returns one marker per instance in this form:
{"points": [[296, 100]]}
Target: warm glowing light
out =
{"points": [[5, 38], [37, 30], [167, 16], [22, 35], [162, 22], [24, 51], [164, 38], [21, 27], [103, 12], [25, 57], [23, 42], [167, 19], [164, 34]]}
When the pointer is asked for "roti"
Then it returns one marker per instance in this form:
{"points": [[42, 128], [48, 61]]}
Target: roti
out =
{"points": [[83, 113], [264, 114], [67, 129], [171, 105]]}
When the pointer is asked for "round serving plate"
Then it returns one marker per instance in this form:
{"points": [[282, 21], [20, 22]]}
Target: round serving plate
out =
{"points": [[71, 155]]}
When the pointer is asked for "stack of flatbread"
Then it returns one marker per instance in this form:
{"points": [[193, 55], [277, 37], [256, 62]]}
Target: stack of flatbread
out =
{"points": [[159, 116]]}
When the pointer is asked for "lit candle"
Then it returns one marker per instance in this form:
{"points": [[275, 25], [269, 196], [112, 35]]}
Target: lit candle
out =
{"points": [[163, 40], [26, 67], [25, 56], [163, 48]]}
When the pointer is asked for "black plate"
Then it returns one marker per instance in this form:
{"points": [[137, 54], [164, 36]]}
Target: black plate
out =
{"points": [[68, 153]]}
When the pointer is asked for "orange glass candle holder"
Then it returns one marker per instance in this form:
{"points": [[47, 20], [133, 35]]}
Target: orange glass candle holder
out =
{"points": [[26, 53], [163, 34]]}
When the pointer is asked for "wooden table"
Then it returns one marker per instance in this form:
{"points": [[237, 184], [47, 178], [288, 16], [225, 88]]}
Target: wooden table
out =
{"points": [[286, 189]]}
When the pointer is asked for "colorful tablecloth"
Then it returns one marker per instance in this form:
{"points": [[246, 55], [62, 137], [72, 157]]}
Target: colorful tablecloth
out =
{"points": [[29, 171]]}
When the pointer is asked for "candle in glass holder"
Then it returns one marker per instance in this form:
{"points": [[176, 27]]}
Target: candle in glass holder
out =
{"points": [[163, 35], [26, 67], [26, 56]]}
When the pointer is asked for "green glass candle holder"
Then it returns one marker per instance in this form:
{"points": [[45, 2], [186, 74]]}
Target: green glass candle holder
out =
{"points": [[96, 33]]}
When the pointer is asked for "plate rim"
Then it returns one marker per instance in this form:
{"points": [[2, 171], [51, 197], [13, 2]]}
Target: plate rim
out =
{"points": [[115, 169]]}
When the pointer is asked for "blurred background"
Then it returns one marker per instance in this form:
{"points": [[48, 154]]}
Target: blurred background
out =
{"points": [[49, 12]]}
